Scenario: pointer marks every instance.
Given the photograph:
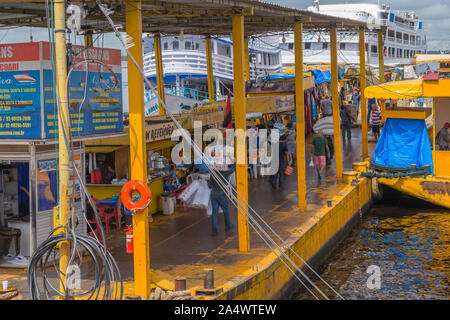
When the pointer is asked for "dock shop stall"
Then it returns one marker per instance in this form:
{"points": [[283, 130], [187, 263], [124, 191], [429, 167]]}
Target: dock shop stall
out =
{"points": [[29, 135]]}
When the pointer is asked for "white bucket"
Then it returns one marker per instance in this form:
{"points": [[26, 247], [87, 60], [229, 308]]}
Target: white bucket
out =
{"points": [[168, 204]]}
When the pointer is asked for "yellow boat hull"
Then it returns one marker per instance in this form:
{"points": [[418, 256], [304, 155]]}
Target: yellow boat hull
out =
{"points": [[431, 189]]}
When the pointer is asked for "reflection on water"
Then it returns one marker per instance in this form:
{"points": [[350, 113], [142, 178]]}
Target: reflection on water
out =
{"points": [[407, 239]]}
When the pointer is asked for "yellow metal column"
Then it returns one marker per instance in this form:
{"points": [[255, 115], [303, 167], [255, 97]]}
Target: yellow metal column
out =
{"points": [[63, 129], [335, 100], [239, 113], [362, 80], [88, 39], [434, 136], [209, 66], [246, 62], [159, 71], [300, 114], [381, 68], [138, 153]]}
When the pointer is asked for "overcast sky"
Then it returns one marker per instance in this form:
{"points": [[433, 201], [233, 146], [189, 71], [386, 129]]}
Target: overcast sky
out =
{"points": [[434, 13]]}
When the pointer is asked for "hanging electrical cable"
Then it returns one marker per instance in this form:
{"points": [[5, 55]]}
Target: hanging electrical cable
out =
{"points": [[107, 275], [239, 203]]}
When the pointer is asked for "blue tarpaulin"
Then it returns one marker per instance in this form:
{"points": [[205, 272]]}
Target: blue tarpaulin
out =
{"points": [[403, 142], [320, 76]]}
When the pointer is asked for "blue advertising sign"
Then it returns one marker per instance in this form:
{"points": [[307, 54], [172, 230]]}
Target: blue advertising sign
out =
{"points": [[94, 108], [20, 104]]}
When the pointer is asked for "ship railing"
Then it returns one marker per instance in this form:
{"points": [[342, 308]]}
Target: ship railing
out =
{"points": [[399, 40], [183, 92], [391, 39]]}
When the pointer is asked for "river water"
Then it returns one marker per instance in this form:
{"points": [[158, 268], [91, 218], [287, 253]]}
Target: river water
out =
{"points": [[409, 240]]}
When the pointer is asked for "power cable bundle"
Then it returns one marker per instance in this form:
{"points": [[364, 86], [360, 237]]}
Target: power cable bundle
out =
{"points": [[107, 274], [106, 271]]}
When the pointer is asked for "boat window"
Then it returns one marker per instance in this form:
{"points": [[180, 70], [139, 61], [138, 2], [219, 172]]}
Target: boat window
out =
{"points": [[187, 45], [374, 49], [291, 46], [325, 45], [307, 45], [166, 46], [197, 45], [175, 45], [342, 45]]}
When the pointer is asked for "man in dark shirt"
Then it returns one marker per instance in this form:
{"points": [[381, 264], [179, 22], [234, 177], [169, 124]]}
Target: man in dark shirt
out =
{"points": [[283, 160], [327, 107], [219, 198], [346, 123]]}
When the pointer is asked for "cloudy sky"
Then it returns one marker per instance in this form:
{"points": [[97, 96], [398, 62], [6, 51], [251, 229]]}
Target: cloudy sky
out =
{"points": [[434, 13]]}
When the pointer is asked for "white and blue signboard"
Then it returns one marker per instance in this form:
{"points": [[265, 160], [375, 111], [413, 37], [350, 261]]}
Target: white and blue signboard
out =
{"points": [[27, 93]]}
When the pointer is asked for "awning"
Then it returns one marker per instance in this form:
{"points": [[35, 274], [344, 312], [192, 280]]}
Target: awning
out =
{"points": [[102, 149], [406, 89], [428, 58]]}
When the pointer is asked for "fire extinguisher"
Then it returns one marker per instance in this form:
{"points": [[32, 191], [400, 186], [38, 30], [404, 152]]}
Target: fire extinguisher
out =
{"points": [[129, 231]]}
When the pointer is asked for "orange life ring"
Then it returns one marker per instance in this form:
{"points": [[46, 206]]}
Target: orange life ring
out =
{"points": [[144, 192]]}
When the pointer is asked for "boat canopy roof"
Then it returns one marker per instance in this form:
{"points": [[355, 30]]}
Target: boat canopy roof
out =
{"points": [[405, 89], [409, 89], [428, 58]]}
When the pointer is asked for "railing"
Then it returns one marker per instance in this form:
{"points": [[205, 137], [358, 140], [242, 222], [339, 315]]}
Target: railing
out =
{"points": [[392, 39], [183, 92], [405, 41], [195, 63], [399, 40]]}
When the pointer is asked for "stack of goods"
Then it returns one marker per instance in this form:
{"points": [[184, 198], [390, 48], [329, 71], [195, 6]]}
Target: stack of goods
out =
{"points": [[326, 125], [196, 195]]}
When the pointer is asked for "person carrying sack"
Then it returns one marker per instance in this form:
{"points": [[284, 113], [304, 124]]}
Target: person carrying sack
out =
{"points": [[220, 199]]}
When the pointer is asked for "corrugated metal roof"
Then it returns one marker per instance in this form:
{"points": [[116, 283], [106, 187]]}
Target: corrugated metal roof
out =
{"points": [[205, 17]]}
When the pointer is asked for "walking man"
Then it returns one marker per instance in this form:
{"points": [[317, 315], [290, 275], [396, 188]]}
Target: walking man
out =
{"points": [[376, 121], [320, 145], [346, 123], [292, 142], [219, 198], [283, 160]]}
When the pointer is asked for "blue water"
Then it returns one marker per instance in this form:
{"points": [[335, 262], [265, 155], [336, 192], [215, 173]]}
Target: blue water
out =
{"points": [[410, 243]]}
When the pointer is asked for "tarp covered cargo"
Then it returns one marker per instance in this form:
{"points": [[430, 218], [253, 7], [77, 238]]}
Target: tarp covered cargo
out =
{"points": [[403, 142]]}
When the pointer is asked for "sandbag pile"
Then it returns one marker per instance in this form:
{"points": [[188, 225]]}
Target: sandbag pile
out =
{"points": [[160, 294], [325, 124], [196, 195]]}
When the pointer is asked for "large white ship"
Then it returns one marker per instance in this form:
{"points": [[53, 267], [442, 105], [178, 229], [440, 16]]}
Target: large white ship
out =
{"points": [[404, 37], [184, 63]]}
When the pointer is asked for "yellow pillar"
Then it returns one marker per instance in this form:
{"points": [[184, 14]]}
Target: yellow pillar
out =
{"points": [[138, 154], [434, 136], [362, 77], [64, 127], [381, 68], [209, 66], [246, 62], [88, 39], [240, 119], [159, 72], [300, 114], [335, 100]]}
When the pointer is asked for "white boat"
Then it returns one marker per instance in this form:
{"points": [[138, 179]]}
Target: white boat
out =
{"points": [[184, 63], [405, 36]]}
